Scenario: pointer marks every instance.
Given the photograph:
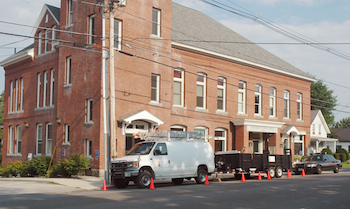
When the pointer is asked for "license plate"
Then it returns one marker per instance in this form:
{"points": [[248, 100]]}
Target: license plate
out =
{"points": [[127, 174], [300, 169]]}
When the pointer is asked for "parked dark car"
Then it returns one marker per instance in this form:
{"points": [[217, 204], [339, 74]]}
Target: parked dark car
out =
{"points": [[317, 163]]}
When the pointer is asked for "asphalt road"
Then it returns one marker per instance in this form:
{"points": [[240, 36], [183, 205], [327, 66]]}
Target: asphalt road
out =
{"points": [[327, 190]]}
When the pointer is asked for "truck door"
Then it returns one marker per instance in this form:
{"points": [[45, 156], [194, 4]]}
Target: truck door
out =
{"points": [[160, 161]]}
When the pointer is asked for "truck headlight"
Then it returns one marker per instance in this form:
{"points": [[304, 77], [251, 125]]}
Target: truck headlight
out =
{"points": [[133, 164]]}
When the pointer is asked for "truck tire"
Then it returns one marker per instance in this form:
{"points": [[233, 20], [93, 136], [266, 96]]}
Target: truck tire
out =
{"points": [[200, 179], [121, 183], [177, 181], [144, 179], [279, 172], [272, 172]]}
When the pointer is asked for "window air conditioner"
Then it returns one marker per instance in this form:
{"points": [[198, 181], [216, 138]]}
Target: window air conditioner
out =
{"points": [[121, 3]]}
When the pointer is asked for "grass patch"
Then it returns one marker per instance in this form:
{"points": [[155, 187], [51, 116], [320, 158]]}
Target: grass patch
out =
{"points": [[51, 182], [346, 164]]}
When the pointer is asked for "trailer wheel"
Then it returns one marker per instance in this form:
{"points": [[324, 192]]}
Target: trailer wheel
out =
{"points": [[121, 183], [201, 176], [272, 172], [279, 172]]}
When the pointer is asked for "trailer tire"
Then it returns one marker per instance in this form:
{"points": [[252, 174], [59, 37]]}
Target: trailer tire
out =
{"points": [[279, 172], [121, 183], [200, 179], [272, 172]]}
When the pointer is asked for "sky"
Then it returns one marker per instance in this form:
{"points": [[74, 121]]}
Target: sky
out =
{"points": [[323, 21]]}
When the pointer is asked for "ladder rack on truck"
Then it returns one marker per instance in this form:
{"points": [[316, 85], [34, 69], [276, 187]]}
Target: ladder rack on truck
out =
{"points": [[238, 163], [173, 135]]}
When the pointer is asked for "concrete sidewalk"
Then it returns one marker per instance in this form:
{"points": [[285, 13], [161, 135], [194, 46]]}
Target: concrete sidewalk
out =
{"points": [[81, 182]]}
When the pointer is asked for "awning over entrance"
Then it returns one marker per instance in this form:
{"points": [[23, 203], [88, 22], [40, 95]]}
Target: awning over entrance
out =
{"points": [[290, 130], [260, 126], [142, 115], [322, 139]]}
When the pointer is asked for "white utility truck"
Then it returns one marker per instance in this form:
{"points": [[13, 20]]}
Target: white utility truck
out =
{"points": [[165, 155]]}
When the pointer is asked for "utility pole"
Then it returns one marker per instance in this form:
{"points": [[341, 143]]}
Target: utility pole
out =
{"points": [[112, 78]]}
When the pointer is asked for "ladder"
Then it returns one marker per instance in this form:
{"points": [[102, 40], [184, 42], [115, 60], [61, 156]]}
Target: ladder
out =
{"points": [[174, 135]]}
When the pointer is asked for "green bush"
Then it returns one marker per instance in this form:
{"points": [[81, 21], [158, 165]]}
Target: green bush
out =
{"points": [[345, 152], [299, 157], [340, 156], [327, 150], [71, 166]]}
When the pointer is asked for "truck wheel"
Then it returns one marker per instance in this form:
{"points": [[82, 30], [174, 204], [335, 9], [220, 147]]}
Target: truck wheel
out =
{"points": [[121, 183], [279, 172], [177, 181], [272, 172], [201, 176], [144, 179], [336, 169]]}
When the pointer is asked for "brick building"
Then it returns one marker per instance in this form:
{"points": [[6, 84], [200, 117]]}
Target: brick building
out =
{"points": [[174, 69]]}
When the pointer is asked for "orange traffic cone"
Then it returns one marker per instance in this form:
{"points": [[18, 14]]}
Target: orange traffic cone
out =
{"points": [[151, 186], [104, 187], [268, 175], [243, 177], [303, 173], [259, 177], [289, 174], [206, 180]]}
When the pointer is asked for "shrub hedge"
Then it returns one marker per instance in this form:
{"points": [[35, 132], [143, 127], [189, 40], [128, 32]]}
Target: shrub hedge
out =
{"points": [[345, 152], [327, 150], [39, 167]]}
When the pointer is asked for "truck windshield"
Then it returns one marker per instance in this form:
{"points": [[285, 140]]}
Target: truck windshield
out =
{"points": [[141, 148]]}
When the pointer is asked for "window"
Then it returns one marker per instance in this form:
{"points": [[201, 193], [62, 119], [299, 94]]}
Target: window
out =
{"points": [[273, 102], [201, 90], [160, 149], [92, 29], [38, 91], [21, 99], [313, 129], [39, 139], [221, 93], [286, 104], [68, 70], [89, 148], [16, 96], [49, 139], [11, 97], [201, 130], [89, 110], [155, 88], [241, 97], [45, 89], [178, 88], [46, 40], [299, 106], [19, 139], [156, 22], [220, 140], [257, 99], [11, 139], [47, 18], [177, 128], [52, 86], [319, 129], [40, 42], [53, 36], [70, 12], [117, 34], [66, 133]]}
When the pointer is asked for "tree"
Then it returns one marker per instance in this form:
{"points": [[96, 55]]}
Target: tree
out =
{"points": [[343, 123], [323, 99]]}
